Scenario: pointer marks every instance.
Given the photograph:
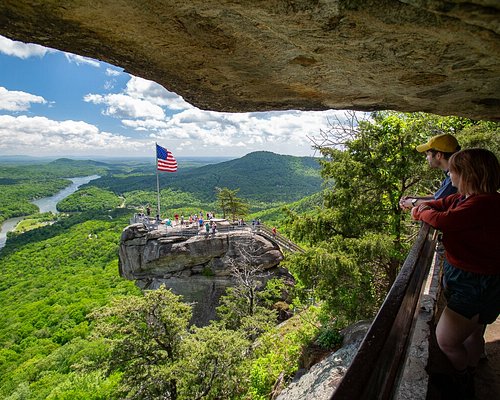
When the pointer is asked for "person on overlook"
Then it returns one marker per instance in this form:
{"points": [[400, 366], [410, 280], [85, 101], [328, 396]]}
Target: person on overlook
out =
{"points": [[207, 229], [438, 151], [470, 223], [148, 210], [274, 231]]}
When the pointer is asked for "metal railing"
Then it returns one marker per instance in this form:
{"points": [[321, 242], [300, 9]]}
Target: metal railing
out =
{"points": [[374, 372], [281, 240], [190, 230]]}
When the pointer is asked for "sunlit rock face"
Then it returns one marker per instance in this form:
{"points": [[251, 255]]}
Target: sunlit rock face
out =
{"points": [[199, 268], [426, 55]]}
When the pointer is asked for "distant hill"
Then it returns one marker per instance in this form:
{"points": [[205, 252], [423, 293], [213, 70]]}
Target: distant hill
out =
{"points": [[67, 162], [260, 176]]}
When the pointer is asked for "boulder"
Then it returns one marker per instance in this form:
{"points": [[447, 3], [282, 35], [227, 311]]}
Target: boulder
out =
{"points": [[322, 379], [199, 267]]}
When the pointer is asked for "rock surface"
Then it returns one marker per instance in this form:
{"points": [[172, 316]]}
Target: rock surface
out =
{"points": [[196, 267], [323, 378], [409, 55]]}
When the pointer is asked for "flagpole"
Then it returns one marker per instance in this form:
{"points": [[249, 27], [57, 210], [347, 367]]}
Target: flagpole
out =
{"points": [[157, 182]]}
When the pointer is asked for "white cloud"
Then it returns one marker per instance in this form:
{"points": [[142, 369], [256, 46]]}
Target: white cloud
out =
{"points": [[190, 127], [22, 50], [123, 106], [284, 131], [145, 124], [153, 92], [78, 60], [13, 100], [112, 72], [42, 136]]}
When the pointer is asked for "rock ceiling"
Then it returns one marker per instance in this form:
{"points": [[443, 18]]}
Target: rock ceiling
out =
{"points": [[426, 55]]}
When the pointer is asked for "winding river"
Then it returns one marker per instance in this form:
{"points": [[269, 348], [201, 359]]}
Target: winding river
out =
{"points": [[46, 204]]}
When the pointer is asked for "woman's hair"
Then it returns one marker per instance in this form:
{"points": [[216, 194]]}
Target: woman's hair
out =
{"points": [[478, 169]]}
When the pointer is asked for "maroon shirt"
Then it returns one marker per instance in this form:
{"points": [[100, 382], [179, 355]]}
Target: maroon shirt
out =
{"points": [[471, 230]]}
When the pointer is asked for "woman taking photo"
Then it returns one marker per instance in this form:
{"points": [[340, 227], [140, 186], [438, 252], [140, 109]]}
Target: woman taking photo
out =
{"points": [[470, 222]]}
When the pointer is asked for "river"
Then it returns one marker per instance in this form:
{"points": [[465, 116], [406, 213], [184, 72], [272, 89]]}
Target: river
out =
{"points": [[46, 204]]}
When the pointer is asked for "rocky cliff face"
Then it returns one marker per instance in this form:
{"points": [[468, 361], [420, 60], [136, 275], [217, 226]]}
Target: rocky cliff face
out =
{"points": [[408, 55], [322, 379], [196, 267]]}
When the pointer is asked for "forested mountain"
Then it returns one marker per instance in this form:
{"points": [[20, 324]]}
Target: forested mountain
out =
{"points": [[263, 179], [260, 176]]}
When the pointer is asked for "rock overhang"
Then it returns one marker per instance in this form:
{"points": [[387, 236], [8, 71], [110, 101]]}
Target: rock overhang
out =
{"points": [[413, 55]]}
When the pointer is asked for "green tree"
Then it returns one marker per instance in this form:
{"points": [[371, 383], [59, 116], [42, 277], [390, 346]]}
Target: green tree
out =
{"points": [[145, 335], [367, 169], [360, 231], [215, 364], [89, 198], [160, 358], [484, 134], [246, 306], [231, 204]]}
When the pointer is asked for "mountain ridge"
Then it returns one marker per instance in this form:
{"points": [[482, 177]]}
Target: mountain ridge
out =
{"points": [[260, 176]]}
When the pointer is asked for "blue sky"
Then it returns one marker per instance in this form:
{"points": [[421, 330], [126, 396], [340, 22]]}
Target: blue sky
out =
{"points": [[58, 104]]}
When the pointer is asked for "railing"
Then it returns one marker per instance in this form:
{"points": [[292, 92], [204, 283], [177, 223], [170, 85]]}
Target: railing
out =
{"points": [[282, 241], [190, 230], [374, 372]]}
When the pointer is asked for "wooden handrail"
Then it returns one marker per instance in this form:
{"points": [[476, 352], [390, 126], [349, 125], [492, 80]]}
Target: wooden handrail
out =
{"points": [[374, 371]]}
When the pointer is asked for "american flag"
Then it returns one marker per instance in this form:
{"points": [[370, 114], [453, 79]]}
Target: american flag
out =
{"points": [[166, 161]]}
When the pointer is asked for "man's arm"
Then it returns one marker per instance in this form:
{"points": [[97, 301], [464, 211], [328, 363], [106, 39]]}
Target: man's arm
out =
{"points": [[408, 202]]}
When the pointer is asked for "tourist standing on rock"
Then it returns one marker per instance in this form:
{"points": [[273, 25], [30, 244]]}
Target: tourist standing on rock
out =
{"points": [[438, 151], [207, 228], [470, 222], [148, 210], [274, 231]]}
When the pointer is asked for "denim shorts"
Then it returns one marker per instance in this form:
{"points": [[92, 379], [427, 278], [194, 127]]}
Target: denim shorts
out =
{"points": [[470, 294]]}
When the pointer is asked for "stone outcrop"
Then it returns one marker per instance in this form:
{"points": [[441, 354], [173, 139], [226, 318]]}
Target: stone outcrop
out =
{"points": [[409, 55], [197, 267], [323, 378]]}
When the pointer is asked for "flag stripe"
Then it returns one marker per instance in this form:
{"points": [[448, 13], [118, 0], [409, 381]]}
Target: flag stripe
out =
{"points": [[166, 161]]}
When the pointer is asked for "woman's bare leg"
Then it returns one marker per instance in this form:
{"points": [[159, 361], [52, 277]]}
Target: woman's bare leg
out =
{"points": [[475, 346], [456, 337]]}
